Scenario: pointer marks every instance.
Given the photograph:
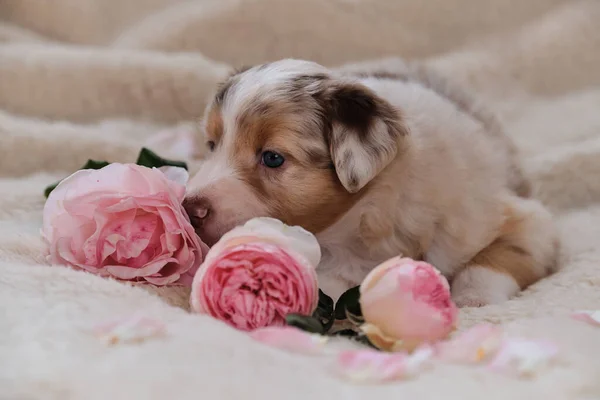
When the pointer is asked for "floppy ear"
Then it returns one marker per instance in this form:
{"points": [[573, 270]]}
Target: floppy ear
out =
{"points": [[366, 133]]}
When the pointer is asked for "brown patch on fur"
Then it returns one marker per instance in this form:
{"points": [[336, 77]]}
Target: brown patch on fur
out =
{"points": [[360, 127], [319, 158], [214, 124], [507, 254], [356, 108], [304, 191], [317, 201]]}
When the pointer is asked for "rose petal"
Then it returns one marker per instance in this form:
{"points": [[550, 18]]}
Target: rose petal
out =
{"points": [[368, 366], [294, 238], [131, 329], [290, 339], [590, 316], [170, 279], [471, 346], [54, 203], [523, 357], [140, 232], [127, 273]]}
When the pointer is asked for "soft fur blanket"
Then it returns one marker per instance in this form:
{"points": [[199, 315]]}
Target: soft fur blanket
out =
{"points": [[86, 79]]}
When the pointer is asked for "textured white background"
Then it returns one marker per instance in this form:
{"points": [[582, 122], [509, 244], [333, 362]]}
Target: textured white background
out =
{"points": [[93, 79]]}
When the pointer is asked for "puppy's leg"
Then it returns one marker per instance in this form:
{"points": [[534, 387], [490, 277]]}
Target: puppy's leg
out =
{"points": [[524, 252]]}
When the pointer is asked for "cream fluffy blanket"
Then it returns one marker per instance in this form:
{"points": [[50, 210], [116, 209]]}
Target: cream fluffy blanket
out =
{"points": [[94, 79]]}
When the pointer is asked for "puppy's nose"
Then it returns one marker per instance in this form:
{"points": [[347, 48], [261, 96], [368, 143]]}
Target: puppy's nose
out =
{"points": [[198, 209]]}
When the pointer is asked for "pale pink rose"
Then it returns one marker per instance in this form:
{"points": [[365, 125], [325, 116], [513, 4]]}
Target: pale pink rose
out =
{"points": [[124, 221], [290, 339], [371, 366], [472, 346], [257, 274], [406, 303]]}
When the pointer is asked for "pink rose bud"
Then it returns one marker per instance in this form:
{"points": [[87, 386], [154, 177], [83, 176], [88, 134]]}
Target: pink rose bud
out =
{"points": [[124, 221], [257, 274], [406, 303]]}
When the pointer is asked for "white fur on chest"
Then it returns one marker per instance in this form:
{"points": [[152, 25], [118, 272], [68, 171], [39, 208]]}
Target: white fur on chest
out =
{"points": [[344, 261]]}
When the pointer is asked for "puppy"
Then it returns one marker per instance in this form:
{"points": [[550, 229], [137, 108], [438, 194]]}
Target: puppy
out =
{"points": [[375, 166]]}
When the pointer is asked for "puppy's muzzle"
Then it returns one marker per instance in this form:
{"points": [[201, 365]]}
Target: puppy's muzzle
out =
{"points": [[198, 209]]}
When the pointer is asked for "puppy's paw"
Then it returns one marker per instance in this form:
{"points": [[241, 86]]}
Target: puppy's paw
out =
{"points": [[477, 286]]}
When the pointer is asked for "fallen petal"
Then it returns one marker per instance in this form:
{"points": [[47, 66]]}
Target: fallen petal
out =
{"points": [[523, 357], [589, 316], [370, 366], [471, 346], [133, 329], [290, 339]]}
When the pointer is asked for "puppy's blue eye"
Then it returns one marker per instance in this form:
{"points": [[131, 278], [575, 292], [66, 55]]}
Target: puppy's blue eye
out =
{"points": [[272, 159]]}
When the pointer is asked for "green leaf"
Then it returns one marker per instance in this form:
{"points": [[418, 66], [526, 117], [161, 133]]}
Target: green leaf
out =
{"points": [[348, 305], [347, 333], [305, 322], [148, 158], [324, 311], [94, 164], [90, 164]]}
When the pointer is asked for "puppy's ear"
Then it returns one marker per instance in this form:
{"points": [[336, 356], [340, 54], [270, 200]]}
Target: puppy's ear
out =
{"points": [[365, 133]]}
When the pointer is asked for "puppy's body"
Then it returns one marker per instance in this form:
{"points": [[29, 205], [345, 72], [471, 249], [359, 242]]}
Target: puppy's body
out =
{"points": [[445, 200], [375, 167]]}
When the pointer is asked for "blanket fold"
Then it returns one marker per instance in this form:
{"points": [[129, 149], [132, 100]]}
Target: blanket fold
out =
{"points": [[98, 79]]}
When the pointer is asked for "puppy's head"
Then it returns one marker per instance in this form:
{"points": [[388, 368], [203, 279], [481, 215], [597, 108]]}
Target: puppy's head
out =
{"points": [[292, 141]]}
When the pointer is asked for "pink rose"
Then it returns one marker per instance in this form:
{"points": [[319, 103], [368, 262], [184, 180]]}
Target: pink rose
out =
{"points": [[124, 221], [257, 274], [406, 303]]}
